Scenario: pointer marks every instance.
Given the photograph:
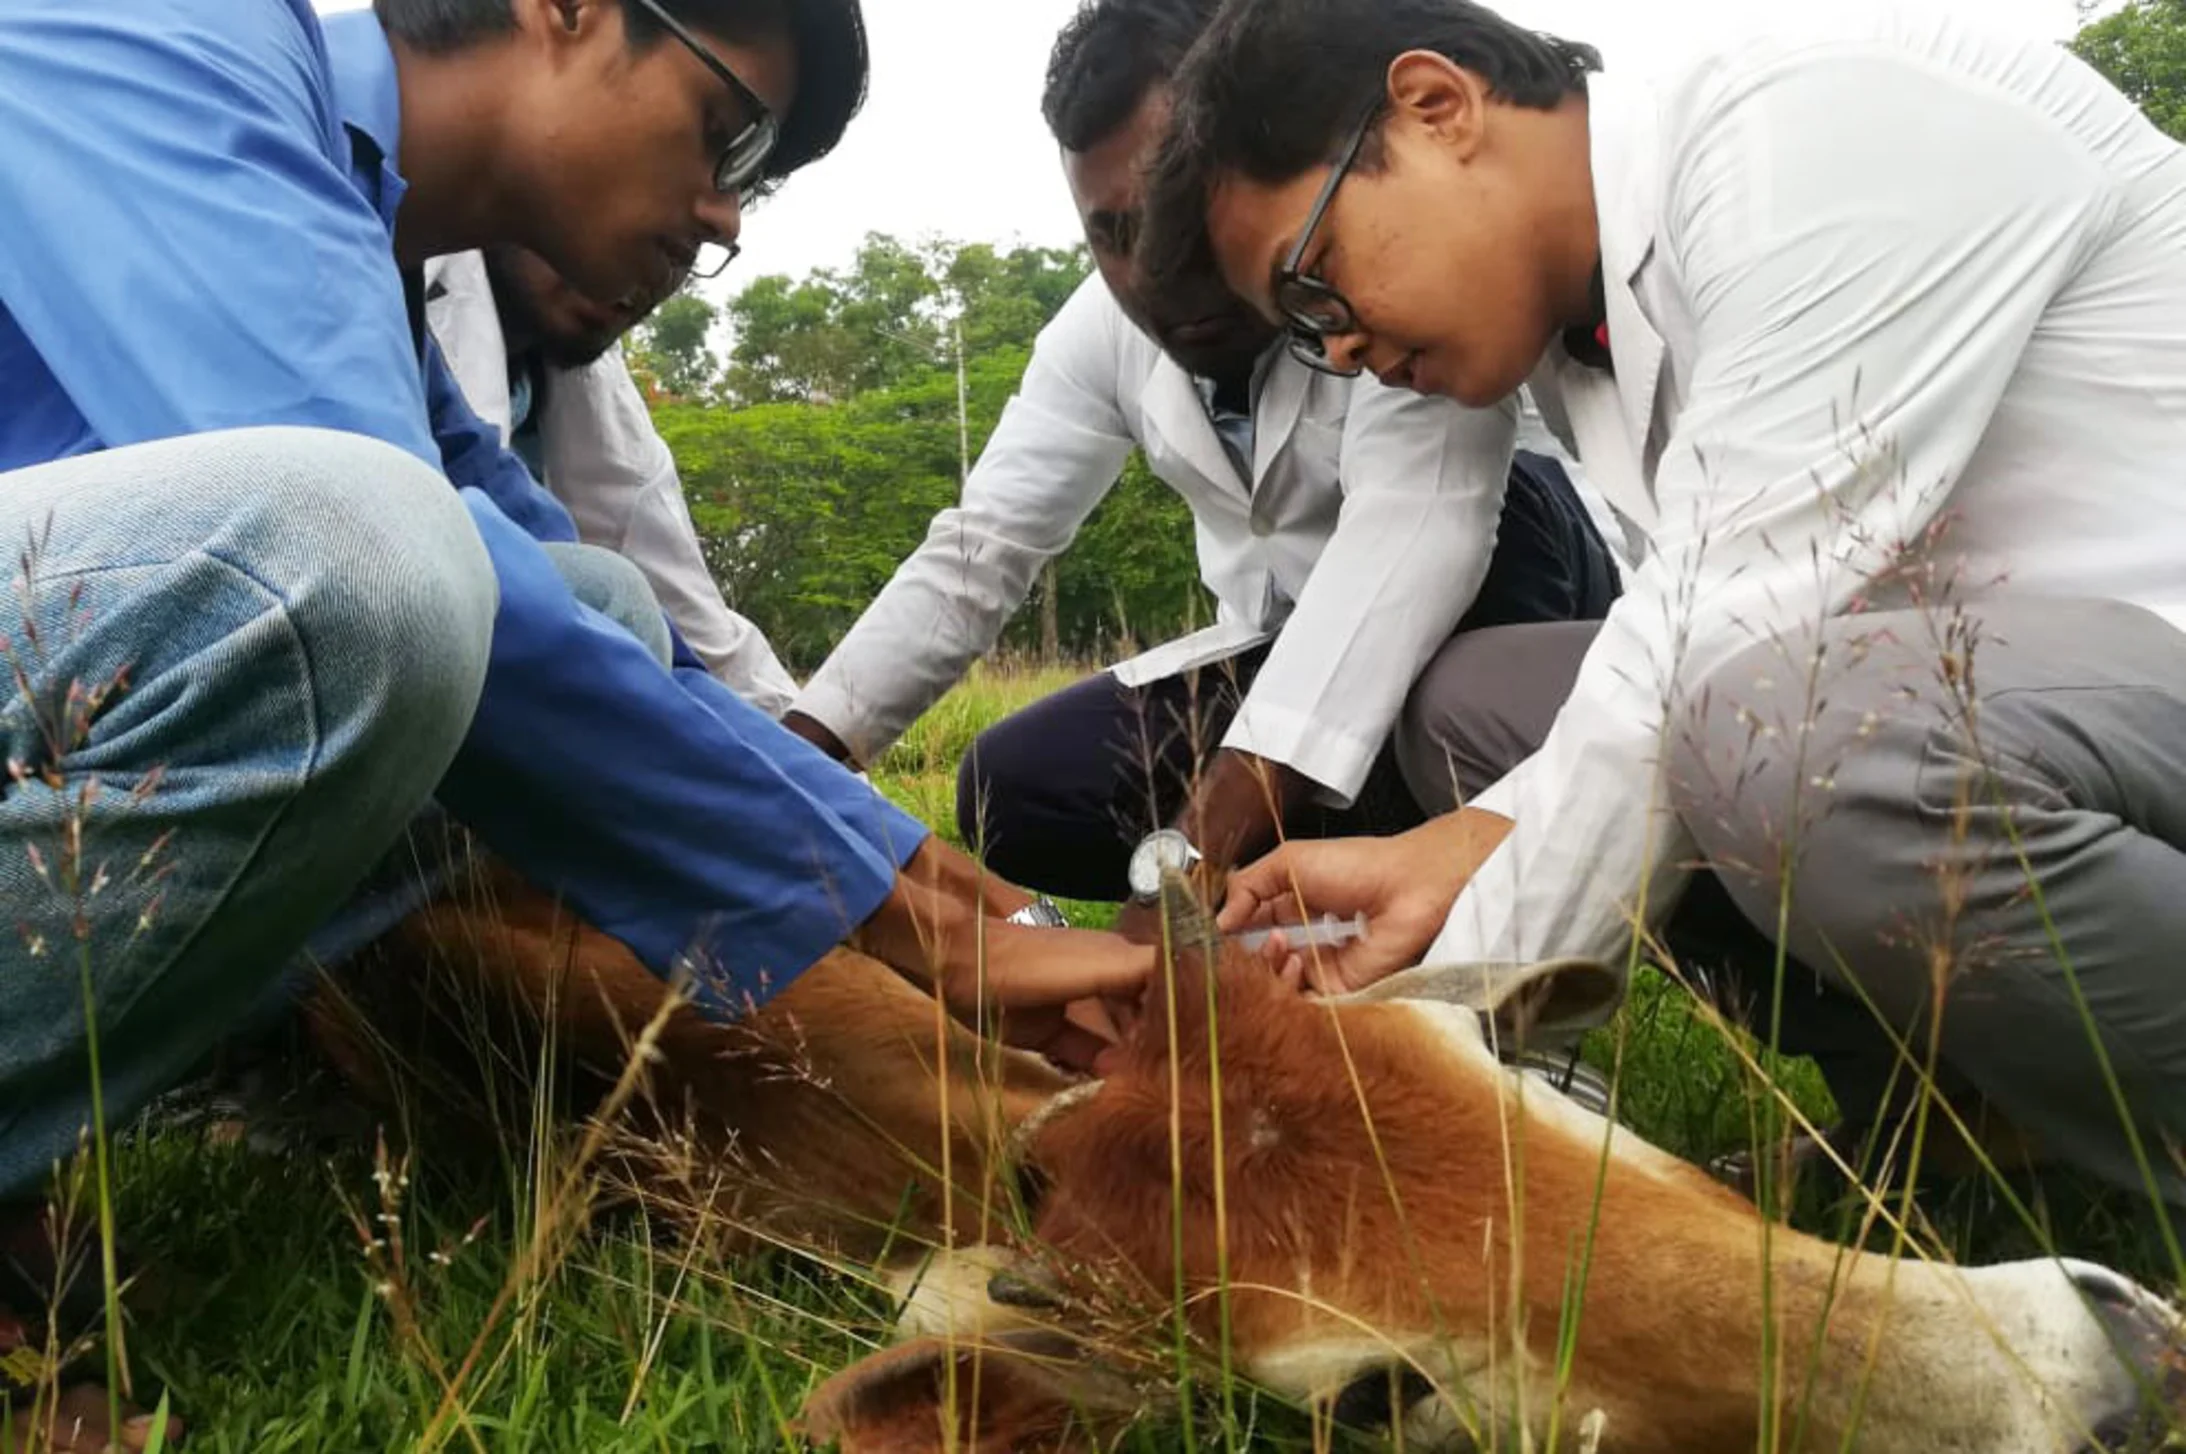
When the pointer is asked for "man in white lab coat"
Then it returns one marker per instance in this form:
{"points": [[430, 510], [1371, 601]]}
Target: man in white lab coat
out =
{"points": [[541, 361], [1346, 530], [1869, 325]]}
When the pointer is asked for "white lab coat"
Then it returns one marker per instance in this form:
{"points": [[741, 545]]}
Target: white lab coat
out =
{"points": [[1880, 289], [609, 466], [1360, 541]]}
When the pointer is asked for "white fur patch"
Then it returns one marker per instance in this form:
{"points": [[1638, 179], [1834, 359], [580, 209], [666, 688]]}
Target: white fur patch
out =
{"points": [[1459, 1030], [946, 1294], [1474, 1388]]}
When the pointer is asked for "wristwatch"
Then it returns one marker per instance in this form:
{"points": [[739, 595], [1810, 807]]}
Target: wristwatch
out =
{"points": [[1041, 913], [1163, 850]]}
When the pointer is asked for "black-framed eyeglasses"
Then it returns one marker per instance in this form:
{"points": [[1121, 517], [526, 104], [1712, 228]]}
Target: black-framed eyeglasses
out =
{"points": [[1312, 310], [714, 258], [739, 166]]}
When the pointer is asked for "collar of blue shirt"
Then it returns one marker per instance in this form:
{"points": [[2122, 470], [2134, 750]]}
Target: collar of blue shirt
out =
{"points": [[368, 95]]}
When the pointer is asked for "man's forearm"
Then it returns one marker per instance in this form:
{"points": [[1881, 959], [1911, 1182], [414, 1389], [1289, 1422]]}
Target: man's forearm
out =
{"points": [[957, 876], [942, 610], [939, 927], [944, 924], [820, 735], [1238, 808]]}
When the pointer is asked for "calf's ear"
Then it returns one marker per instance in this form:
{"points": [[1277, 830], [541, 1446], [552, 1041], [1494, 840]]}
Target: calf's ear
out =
{"points": [[1551, 1001], [1033, 1391]]}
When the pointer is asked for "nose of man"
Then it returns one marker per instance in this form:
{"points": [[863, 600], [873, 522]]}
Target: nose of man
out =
{"points": [[722, 215]]}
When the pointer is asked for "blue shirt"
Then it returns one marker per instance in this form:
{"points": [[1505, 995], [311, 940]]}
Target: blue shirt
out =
{"points": [[198, 201]]}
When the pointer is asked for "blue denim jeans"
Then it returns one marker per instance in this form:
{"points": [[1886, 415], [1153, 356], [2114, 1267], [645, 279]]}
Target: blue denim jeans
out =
{"points": [[238, 666], [613, 586], [434, 850]]}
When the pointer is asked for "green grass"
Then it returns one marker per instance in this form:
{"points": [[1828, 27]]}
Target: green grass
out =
{"points": [[919, 772], [277, 1329]]}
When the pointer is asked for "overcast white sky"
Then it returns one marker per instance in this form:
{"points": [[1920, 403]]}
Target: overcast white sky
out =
{"points": [[951, 141]]}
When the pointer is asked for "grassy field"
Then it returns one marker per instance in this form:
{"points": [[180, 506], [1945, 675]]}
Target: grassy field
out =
{"points": [[327, 1307]]}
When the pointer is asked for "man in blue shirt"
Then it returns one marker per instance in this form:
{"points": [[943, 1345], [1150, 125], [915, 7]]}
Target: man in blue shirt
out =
{"points": [[258, 629]]}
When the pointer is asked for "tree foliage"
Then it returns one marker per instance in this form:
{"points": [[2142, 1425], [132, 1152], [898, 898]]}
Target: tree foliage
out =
{"points": [[889, 317], [670, 347], [805, 511], [833, 442], [2141, 47]]}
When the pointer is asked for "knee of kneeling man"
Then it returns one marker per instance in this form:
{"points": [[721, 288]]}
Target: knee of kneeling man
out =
{"points": [[382, 570], [613, 586], [1427, 721], [974, 792], [361, 513], [1763, 756], [995, 775], [1433, 735], [1724, 749]]}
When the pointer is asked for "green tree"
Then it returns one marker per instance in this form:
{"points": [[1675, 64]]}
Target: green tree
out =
{"points": [[1004, 299], [889, 316], [844, 444], [806, 510], [671, 346], [2141, 47], [836, 333]]}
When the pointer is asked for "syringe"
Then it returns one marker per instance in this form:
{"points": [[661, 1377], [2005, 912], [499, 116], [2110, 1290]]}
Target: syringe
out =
{"points": [[1326, 932]]}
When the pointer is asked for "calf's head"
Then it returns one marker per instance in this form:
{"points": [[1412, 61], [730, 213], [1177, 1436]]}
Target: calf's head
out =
{"points": [[1387, 1224]]}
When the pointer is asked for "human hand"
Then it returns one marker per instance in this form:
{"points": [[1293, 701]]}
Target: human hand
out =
{"points": [[820, 735], [945, 926], [1051, 991], [1403, 885]]}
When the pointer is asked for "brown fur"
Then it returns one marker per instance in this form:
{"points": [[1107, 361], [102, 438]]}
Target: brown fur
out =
{"points": [[816, 1120], [1368, 1174]]}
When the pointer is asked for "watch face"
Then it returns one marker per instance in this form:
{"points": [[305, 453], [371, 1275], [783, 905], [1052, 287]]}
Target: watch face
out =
{"points": [[1158, 851]]}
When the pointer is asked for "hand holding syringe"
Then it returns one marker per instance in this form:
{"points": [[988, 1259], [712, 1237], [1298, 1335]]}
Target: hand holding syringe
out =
{"points": [[1326, 932]]}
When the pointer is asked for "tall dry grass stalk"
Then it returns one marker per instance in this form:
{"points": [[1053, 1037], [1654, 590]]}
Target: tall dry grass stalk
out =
{"points": [[87, 887]]}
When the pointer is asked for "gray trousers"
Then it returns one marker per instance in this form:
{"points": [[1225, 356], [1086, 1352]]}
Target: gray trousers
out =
{"points": [[1980, 821]]}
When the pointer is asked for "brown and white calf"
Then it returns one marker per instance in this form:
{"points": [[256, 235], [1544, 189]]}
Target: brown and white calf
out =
{"points": [[1387, 1222]]}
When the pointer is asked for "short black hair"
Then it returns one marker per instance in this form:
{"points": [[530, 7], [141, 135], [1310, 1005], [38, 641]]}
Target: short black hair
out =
{"points": [[832, 61], [1109, 56], [1275, 88]]}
